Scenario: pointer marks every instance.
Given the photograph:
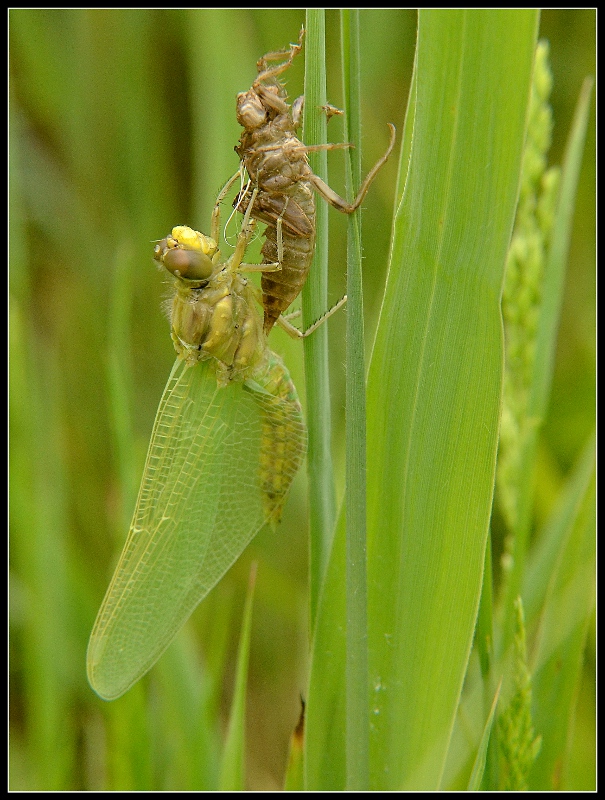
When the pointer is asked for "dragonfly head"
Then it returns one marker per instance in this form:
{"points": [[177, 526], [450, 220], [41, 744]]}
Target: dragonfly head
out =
{"points": [[187, 254]]}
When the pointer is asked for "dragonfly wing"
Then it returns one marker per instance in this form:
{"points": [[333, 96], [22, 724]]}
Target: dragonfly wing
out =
{"points": [[200, 503]]}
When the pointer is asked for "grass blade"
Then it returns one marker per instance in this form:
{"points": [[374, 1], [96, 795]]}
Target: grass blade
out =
{"points": [[435, 380]]}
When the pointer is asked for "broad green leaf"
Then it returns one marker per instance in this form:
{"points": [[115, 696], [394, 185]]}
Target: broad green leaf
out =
{"points": [[433, 403], [435, 381]]}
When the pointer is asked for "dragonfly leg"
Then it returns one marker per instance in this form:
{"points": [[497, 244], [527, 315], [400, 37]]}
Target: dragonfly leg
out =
{"points": [[270, 94], [311, 148], [265, 71], [335, 199], [269, 266], [216, 211], [245, 234], [280, 237], [331, 111], [328, 109], [285, 325]]}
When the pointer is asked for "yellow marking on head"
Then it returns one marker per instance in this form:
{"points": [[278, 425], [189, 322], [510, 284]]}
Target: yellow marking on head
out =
{"points": [[194, 240]]}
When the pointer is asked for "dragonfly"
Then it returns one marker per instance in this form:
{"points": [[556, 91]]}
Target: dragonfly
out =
{"points": [[278, 168], [227, 441]]}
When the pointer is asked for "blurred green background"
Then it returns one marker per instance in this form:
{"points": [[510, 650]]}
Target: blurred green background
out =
{"points": [[122, 125]]}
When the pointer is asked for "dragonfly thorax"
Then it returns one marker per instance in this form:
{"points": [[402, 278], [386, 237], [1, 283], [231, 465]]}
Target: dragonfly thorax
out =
{"points": [[219, 322]]}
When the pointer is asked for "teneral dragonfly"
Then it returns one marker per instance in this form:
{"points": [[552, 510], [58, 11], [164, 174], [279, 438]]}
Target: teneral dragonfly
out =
{"points": [[227, 440]]}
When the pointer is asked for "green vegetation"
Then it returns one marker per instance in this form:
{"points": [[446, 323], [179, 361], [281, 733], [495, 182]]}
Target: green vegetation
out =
{"points": [[122, 125]]}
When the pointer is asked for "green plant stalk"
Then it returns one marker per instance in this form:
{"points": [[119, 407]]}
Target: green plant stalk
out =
{"points": [[36, 549], [357, 702], [560, 586], [295, 779], [129, 736], [481, 762], [546, 342], [119, 384], [322, 494], [233, 766], [213, 162]]}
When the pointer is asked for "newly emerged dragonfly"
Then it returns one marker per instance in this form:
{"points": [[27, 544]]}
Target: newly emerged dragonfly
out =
{"points": [[227, 441], [282, 180]]}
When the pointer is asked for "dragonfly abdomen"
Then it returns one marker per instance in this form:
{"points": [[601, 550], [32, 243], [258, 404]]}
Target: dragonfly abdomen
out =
{"points": [[283, 437], [276, 162], [281, 288]]}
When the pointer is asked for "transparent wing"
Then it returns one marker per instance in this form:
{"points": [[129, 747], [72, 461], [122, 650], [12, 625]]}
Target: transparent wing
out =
{"points": [[200, 503]]}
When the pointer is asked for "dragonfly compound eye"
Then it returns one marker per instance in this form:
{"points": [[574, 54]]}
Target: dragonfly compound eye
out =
{"points": [[189, 264]]}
